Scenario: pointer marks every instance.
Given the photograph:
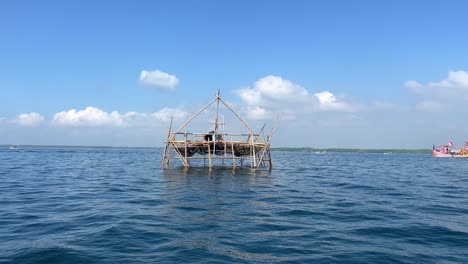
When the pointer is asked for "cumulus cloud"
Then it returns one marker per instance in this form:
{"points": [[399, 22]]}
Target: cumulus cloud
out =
{"points": [[455, 79], [159, 79], [275, 94], [258, 113], [454, 86], [94, 117], [329, 102], [165, 114], [29, 119], [90, 116], [413, 84], [272, 88]]}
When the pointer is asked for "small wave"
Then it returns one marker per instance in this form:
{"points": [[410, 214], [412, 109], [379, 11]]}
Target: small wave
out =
{"points": [[426, 235], [299, 212], [50, 255], [277, 227], [191, 208]]}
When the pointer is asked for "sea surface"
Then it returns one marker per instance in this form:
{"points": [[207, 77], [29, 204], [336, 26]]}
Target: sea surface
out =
{"points": [[116, 205]]}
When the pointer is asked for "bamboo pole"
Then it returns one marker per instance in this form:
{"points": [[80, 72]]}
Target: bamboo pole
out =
{"points": [[167, 144], [250, 152], [181, 157], [214, 144], [267, 143], [209, 155], [217, 112], [269, 155], [267, 148], [269, 138], [224, 139], [253, 153], [185, 146], [227, 106], [259, 133], [233, 156], [195, 115]]}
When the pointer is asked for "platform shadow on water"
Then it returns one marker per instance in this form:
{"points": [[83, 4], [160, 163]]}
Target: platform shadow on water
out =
{"points": [[215, 171]]}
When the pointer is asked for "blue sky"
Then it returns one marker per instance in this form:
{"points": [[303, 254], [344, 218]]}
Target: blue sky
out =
{"points": [[342, 73]]}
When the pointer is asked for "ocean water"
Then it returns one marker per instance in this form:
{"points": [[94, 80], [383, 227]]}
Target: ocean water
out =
{"points": [[111, 205]]}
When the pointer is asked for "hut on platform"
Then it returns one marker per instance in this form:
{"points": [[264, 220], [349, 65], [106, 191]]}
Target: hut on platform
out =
{"points": [[215, 146]]}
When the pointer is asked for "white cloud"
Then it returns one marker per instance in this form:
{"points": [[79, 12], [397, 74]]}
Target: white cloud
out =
{"points": [[90, 116], [455, 86], [158, 78], [94, 117], [329, 102], [258, 113], [165, 114], [272, 88], [29, 119], [413, 84], [273, 94], [449, 94], [455, 79]]}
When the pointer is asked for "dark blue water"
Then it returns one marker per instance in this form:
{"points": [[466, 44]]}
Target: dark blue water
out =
{"points": [[60, 205]]}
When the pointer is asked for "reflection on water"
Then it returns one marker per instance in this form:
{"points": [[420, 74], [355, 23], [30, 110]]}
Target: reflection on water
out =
{"points": [[215, 172]]}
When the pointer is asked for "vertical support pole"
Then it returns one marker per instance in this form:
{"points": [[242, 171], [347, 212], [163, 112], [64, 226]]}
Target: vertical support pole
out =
{"points": [[233, 156], [269, 156], [185, 146], [217, 112], [163, 161], [224, 141], [215, 135], [250, 151], [253, 152], [214, 143], [209, 155]]}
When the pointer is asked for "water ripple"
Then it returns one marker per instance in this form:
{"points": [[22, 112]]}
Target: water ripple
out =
{"points": [[98, 205]]}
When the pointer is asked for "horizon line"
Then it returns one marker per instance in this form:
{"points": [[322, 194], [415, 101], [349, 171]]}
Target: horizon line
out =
{"points": [[273, 148]]}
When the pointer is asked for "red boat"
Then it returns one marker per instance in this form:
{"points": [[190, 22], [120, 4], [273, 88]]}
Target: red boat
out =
{"points": [[447, 151]]}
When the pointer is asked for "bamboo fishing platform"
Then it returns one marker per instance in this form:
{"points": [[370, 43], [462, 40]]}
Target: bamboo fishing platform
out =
{"points": [[217, 147]]}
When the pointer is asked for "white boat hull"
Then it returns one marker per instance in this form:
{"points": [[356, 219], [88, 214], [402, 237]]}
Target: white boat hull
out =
{"points": [[438, 154]]}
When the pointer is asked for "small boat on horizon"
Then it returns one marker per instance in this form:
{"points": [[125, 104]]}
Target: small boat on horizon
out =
{"points": [[14, 147], [447, 151]]}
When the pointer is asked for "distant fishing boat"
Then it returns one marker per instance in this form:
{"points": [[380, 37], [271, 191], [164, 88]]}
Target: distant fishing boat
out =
{"points": [[13, 147], [447, 151], [313, 151]]}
